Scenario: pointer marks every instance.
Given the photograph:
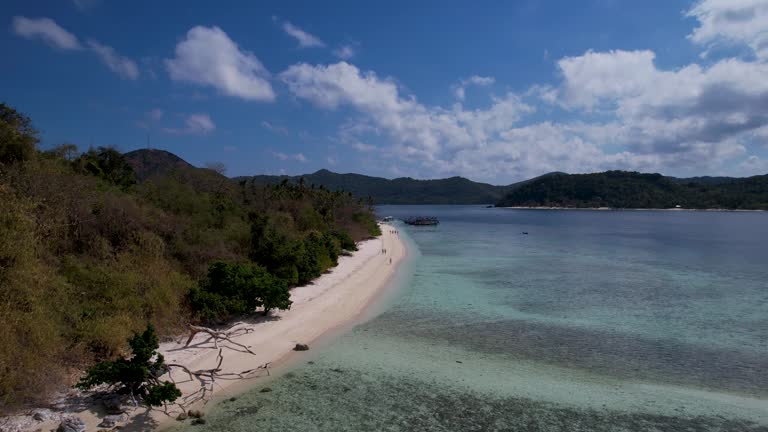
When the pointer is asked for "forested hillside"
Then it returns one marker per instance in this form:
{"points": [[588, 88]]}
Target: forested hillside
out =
{"points": [[96, 245], [621, 189], [404, 190]]}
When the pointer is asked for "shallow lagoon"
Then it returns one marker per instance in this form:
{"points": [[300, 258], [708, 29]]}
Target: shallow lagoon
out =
{"points": [[620, 321]]}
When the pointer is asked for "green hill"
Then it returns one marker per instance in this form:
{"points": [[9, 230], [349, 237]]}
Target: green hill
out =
{"points": [[621, 189], [95, 246], [404, 190]]}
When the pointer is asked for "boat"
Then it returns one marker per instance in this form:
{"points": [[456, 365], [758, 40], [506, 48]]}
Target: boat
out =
{"points": [[421, 221]]}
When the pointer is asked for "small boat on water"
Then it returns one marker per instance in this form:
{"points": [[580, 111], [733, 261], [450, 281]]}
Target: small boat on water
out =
{"points": [[421, 221]]}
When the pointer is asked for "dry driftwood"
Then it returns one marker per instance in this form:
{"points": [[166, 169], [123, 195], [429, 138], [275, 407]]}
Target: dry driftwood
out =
{"points": [[207, 377]]}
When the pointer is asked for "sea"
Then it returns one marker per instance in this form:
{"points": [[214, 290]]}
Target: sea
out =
{"points": [[544, 320]]}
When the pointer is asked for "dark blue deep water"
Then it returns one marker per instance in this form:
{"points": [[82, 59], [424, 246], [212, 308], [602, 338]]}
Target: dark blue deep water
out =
{"points": [[594, 320]]}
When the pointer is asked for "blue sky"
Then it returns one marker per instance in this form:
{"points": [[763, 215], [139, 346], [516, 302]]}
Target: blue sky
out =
{"points": [[494, 91]]}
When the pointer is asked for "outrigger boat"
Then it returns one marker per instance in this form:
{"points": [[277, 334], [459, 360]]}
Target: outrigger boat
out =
{"points": [[421, 221]]}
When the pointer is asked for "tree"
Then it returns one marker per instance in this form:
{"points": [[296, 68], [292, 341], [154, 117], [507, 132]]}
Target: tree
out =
{"points": [[18, 139], [64, 151], [218, 167], [138, 375], [236, 289], [108, 164]]}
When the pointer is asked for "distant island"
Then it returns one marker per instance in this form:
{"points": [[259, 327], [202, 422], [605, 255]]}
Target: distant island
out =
{"points": [[613, 189], [403, 190], [632, 190]]}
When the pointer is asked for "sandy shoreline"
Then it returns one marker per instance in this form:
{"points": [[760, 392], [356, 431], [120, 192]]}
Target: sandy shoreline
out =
{"points": [[332, 301]]}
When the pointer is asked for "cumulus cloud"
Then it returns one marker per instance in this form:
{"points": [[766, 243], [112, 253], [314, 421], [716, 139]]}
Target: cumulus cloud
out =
{"points": [[299, 157], [754, 165], [207, 56], [194, 124], [150, 117], [623, 111], [47, 30], [84, 5], [305, 39], [667, 110], [344, 52], [433, 135], [742, 22], [155, 114], [459, 90], [277, 129], [691, 118], [122, 66]]}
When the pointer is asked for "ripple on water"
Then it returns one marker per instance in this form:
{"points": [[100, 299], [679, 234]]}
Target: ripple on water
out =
{"points": [[327, 398]]}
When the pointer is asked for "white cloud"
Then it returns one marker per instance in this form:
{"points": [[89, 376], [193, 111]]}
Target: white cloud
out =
{"points": [[47, 30], [155, 114], [207, 56], [684, 120], [122, 66], [299, 157], [459, 90], [85, 4], [150, 117], [363, 147], [331, 160], [622, 110], [742, 22], [277, 129], [417, 132], [195, 124], [305, 39], [754, 165], [344, 52], [666, 111]]}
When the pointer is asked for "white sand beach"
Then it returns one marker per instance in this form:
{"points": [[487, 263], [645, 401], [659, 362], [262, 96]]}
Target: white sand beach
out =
{"points": [[333, 300]]}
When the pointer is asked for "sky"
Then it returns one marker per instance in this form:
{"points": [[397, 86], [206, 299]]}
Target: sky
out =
{"points": [[495, 91]]}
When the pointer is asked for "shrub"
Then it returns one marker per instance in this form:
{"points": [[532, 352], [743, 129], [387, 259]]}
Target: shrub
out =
{"points": [[236, 289], [138, 375]]}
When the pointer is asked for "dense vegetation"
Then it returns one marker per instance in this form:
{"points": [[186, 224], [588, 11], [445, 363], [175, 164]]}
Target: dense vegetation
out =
{"points": [[137, 374], [454, 190], [91, 252], [620, 189]]}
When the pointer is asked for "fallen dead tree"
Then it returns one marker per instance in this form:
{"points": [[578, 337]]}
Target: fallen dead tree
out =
{"points": [[207, 378]]}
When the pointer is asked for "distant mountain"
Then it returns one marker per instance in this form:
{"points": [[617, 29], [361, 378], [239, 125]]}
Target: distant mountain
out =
{"points": [[151, 164], [705, 180], [148, 163], [621, 189], [616, 189], [404, 190]]}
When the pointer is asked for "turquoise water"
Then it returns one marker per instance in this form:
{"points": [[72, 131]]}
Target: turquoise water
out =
{"points": [[606, 321]]}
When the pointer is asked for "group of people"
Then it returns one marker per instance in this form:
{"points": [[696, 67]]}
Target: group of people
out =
{"points": [[383, 250]]}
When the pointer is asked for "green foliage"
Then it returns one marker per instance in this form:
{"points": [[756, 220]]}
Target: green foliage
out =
{"points": [[366, 219], [620, 189], [237, 289], [345, 241], [88, 258], [138, 374], [107, 164], [404, 190], [18, 139]]}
